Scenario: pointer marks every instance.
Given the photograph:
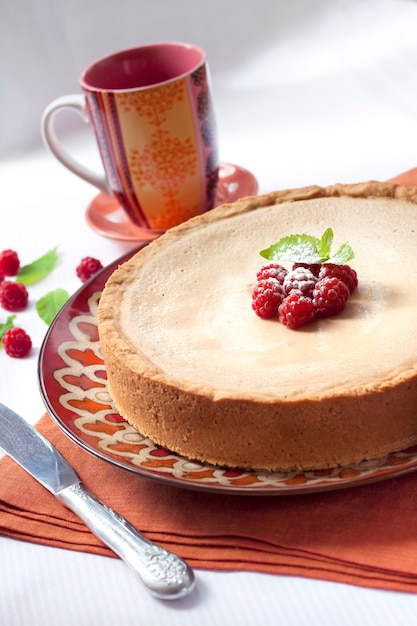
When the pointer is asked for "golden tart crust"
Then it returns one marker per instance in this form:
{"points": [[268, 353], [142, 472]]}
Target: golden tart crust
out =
{"points": [[192, 367]]}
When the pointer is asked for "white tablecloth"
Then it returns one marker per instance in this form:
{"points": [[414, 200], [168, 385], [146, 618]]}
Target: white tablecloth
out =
{"points": [[334, 100]]}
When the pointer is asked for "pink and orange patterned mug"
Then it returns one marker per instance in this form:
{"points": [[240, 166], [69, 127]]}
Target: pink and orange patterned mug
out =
{"points": [[151, 111]]}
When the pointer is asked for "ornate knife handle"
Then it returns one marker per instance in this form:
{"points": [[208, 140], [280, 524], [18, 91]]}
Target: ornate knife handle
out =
{"points": [[165, 575]]}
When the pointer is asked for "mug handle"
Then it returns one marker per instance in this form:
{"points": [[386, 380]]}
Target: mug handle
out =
{"points": [[50, 138]]}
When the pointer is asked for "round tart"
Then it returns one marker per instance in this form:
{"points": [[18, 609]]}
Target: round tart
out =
{"points": [[192, 367]]}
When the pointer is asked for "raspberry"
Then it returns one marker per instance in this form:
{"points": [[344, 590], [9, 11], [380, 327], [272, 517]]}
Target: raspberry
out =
{"points": [[300, 279], [313, 267], [272, 270], [13, 296], [9, 263], [266, 297], [343, 272], [330, 296], [87, 268], [296, 310], [17, 342]]}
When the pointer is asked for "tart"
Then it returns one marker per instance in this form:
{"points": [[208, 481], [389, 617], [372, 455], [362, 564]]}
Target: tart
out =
{"points": [[192, 367]]}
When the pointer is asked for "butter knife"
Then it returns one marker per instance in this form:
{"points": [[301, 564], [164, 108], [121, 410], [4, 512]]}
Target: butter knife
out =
{"points": [[164, 574]]}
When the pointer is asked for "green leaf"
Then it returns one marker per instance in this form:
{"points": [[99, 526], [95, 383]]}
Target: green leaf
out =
{"points": [[308, 249], [326, 243], [343, 255], [5, 327], [50, 304], [299, 248], [39, 269]]}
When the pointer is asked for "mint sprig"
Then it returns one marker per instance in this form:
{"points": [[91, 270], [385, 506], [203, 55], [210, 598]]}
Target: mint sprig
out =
{"points": [[308, 249], [38, 269], [50, 304], [5, 327]]}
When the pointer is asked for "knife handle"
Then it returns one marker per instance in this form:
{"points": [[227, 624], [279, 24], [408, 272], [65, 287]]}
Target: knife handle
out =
{"points": [[165, 575]]}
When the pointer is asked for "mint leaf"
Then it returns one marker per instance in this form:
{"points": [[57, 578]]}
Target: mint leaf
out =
{"points": [[39, 269], [49, 305], [343, 255], [296, 248], [308, 249], [5, 327], [326, 243]]}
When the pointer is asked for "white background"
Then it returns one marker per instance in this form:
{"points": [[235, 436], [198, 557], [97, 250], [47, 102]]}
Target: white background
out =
{"points": [[307, 91]]}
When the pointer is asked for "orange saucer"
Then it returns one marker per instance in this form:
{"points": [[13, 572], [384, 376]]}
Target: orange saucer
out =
{"points": [[105, 215]]}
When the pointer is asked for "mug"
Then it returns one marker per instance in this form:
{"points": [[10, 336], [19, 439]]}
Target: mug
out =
{"points": [[151, 111]]}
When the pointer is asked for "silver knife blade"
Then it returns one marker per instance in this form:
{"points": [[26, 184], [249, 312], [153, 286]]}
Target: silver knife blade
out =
{"points": [[30, 449], [165, 575]]}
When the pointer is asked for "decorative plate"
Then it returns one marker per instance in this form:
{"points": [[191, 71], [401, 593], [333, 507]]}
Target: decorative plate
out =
{"points": [[73, 384]]}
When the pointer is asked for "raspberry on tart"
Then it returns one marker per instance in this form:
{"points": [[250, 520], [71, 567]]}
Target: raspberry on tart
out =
{"points": [[300, 279], [330, 296], [313, 267], [296, 310], [266, 297], [272, 270], [344, 272]]}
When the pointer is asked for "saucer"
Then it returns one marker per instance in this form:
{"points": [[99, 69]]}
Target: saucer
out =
{"points": [[105, 215]]}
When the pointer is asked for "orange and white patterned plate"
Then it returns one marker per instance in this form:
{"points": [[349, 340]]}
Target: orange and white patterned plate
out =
{"points": [[73, 384]]}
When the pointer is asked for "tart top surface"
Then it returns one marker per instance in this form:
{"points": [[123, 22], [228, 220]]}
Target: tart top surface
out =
{"points": [[180, 309]]}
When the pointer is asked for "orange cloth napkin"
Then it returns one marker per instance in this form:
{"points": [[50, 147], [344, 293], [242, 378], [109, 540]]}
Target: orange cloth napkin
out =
{"points": [[364, 536]]}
